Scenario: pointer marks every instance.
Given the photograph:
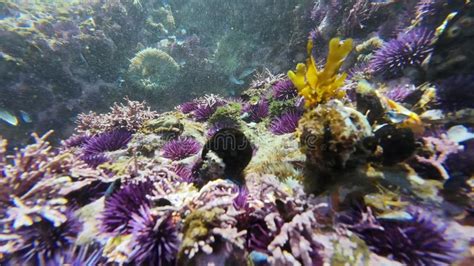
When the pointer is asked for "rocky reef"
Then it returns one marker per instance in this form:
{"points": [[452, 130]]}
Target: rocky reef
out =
{"points": [[359, 155]]}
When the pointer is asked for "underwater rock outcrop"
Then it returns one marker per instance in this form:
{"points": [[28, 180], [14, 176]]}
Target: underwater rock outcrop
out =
{"points": [[252, 197], [450, 54], [333, 138], [231, 149]]}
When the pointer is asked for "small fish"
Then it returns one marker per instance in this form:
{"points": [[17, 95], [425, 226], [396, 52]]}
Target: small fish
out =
{"points": [[83, 59], [382, 2], [444, 25], [396, 216], [396, 117], [114, 186], [8, 117], [247, 72], [236, 81], [258, 258], [25, 117]]}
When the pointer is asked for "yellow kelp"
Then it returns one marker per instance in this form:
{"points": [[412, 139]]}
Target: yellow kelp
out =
{"points": [[321, 86]]}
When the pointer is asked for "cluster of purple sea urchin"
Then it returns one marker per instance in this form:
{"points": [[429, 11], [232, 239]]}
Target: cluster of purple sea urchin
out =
{"points": [[154, 235], [408, 50], [202, 108], [94, 148], [44, 243], [286, 123], [256, 112], [181, 148], [284, 90], [419, 240]]}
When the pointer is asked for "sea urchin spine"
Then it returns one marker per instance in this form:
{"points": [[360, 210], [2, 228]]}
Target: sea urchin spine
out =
{"points": [[408, 50], [181, 148]]}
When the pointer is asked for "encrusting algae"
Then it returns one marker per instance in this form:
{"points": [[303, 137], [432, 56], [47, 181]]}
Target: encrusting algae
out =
{"points": [[321, 86]]}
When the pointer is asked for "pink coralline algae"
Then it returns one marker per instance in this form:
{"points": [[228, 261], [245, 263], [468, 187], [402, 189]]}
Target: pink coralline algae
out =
{"points": [[129, 116], [439, 150]]}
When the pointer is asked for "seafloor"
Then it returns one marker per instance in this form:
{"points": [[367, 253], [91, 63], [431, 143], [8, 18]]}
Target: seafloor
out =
{"points": [[360, 155]]}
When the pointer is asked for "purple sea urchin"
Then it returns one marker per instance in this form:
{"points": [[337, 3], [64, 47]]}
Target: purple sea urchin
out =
{"points": [[258, 234], [44, 243], [181, 148], [94, 148], [256, 112], [156, 238], [433, 12], [109, 141], [284, 90], [287, 123], [120, 206], [427, 8], [183, 171], [416, 241], [456, 92], [203, 112], [399, 92], [206, 106], [88, 254], [94, 160], [241, 201], [187, 107], [76, 140], [408, 50]]}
